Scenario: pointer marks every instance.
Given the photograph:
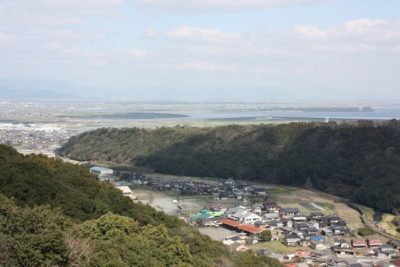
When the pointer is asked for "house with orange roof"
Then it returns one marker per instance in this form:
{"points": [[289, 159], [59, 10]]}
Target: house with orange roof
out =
{"points": [[375, 242], [359, 243]]}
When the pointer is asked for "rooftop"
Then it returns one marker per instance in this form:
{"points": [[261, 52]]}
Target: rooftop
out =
{"points": [[99, 169], [249, 229]]}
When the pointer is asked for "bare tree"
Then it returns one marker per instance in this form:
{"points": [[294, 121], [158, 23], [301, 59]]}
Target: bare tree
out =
{"points": [[81, 250]]}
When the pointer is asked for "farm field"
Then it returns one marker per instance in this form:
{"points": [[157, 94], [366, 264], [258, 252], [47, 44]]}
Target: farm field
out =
{"points": [[309, 201], [305, 200]]}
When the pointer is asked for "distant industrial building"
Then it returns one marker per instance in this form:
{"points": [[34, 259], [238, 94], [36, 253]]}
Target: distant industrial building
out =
{"points": [[100, 171]]}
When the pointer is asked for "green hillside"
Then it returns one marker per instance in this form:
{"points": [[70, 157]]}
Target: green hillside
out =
{"points": [[359, 162], [56, 214]]}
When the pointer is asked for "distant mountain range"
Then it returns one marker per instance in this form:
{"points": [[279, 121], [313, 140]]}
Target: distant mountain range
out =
{"points": [[13, 94], [41, 89]]}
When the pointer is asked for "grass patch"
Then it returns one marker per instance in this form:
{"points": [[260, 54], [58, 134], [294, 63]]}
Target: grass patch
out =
{"points": [[275, 246], [369, 212], [327, 206], [387, 223], [279, 190]]}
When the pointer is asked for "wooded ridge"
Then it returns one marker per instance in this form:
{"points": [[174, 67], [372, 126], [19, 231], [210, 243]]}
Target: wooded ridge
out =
{"points": [[360, 162], [57, 214]]}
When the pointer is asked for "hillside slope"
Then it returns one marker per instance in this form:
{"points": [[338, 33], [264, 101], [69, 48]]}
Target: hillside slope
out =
{"points": [[358, 162], [52, 200]]}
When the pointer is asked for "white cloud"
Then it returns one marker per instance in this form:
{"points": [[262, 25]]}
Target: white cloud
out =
{"points": [[137, 53], [54, 13], [7, 39], [89, 4], [362, 26], [296, 51], [204, 66], [151, 32], [198, 5], [60, 34], [63, 6], [311, 32], [362, 35], [378, 30], [346, 48], [53, 31], [396, 49], [202, 35]]}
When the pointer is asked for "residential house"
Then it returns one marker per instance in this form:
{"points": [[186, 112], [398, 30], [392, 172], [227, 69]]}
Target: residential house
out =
{"points": [[292, 239], [318, 238], [314, 224], [312, 231], [302, 227], [339, 230], [316, 216], [271, 216], [288, 223], [374, 242], [257, 208], [275, 224], [271, 207], [344, 251], [227, 195], [342, 247], [244, 216], [299, 219], [317, 245], [327, 231], [359, 243], [339, 242], [291, 212], [217, 207], [395, 244], [386, 250], [334, 220], [261, 225]]}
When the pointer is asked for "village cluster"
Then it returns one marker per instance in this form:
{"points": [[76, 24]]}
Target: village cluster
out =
{"points": [[34, 138], [318, 239]]}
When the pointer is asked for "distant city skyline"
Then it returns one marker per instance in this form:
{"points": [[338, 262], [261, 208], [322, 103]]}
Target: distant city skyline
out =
{"points": [[199, 50]]}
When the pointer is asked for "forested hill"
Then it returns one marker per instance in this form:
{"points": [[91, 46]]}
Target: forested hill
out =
{"points": [[359, 162], [57, 214]]}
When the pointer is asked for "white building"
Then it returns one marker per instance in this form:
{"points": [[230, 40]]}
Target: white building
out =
{"points": [[98, 171], [244, 216]]}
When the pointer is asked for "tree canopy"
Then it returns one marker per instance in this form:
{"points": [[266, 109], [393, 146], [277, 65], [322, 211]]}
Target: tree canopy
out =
{"points": [[57, 214], [360, 162], [265, 236]]}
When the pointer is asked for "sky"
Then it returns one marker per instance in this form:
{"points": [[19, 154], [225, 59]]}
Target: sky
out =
{"points": [[232, 50]]}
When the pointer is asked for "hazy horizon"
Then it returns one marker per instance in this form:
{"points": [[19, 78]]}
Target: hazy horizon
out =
{"points": [[172, 50]]}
